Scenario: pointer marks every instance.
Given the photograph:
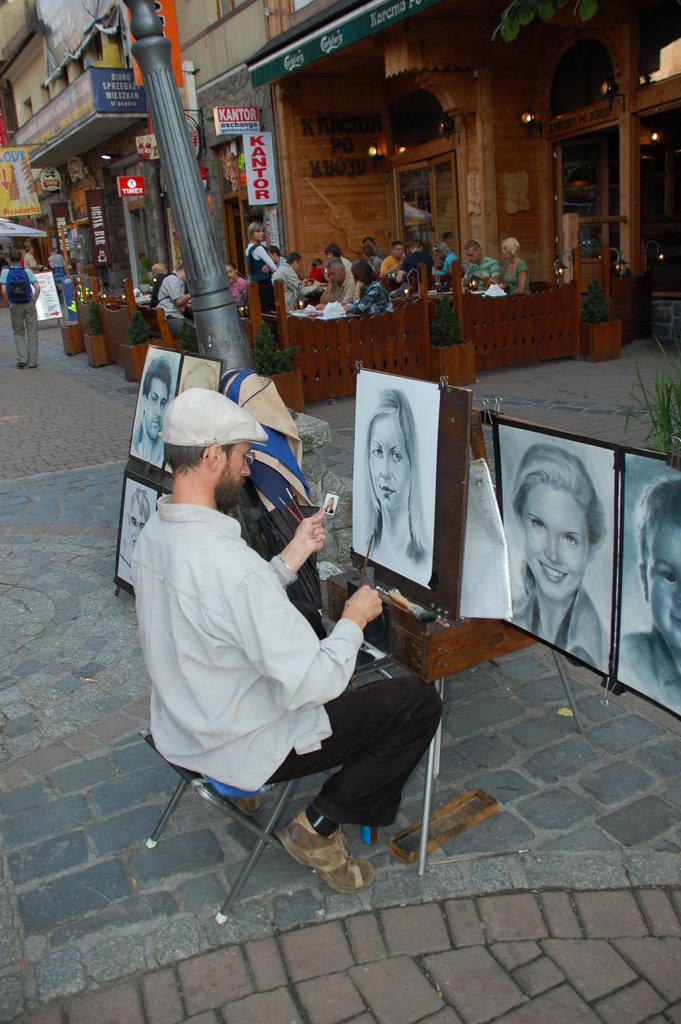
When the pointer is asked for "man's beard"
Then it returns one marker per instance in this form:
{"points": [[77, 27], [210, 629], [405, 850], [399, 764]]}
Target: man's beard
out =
{"points": [[227, 497]]}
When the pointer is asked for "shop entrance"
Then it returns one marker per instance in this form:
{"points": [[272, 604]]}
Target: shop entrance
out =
{"points": [[234, 232], [587, 175]]}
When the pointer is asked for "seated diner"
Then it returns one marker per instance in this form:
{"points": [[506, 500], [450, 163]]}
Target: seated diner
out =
{"points": [[370, 297], [479, 266], [516, 276]]}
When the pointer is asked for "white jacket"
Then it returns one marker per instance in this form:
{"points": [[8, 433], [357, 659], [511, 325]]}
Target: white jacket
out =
{"points": [[238, 675]]}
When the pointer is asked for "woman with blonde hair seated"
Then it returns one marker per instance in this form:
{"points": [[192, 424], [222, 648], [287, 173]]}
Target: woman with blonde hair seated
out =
{"points": [[515, 277]]}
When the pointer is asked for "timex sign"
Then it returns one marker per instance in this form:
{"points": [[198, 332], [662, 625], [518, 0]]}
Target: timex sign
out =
{"points": [[129, 185]]}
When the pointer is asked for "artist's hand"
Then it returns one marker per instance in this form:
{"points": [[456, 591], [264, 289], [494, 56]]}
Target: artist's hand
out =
{"points": [[363, 607], [308, 539]]}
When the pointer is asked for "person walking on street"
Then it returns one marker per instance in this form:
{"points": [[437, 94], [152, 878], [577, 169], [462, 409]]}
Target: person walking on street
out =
{"points": [[20, 289]]}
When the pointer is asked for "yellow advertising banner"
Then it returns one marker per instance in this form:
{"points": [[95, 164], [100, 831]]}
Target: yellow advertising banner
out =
{"points": [[18, 196]]}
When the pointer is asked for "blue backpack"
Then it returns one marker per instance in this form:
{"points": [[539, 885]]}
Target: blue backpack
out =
{"points": [[18, 285]]}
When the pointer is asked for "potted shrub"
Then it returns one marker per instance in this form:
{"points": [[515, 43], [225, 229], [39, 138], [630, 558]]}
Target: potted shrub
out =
{"points": [[450, 356], [600, 337], [277, 363], [187, 337], [95, 346], [132, 355]]}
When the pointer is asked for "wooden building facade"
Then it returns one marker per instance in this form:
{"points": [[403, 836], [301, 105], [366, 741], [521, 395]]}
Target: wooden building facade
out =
{"points": [[401, 119]]}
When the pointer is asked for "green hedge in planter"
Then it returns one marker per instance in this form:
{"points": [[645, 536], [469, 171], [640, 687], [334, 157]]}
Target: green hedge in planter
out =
{"points": [[595, 306], [445, 328], [94, 318], [269, 358], [138, 329]]}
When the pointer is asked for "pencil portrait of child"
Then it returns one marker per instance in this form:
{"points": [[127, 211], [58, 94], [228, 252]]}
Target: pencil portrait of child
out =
{"points": [[650, 631]]}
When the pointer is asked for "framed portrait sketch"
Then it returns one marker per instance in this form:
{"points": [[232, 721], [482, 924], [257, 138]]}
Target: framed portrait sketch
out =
{"points": [[199, 372], [649, 638], [557, 495], [157, 389], [395, 457], [138, 501]]}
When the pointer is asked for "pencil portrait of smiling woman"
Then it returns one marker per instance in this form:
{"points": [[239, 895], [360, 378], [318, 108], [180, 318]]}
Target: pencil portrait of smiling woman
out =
{"points": [[557, 529]]}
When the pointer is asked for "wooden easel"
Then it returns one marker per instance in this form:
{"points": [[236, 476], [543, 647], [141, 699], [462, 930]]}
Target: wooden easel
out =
{"points": [[433, 650]]}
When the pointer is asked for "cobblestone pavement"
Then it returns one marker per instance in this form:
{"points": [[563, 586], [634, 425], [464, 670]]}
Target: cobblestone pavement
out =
{"points": [[563, 906]]}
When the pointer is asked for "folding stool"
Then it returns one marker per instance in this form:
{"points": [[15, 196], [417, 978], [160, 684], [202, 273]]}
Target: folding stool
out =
{"points": [[221, 795]]}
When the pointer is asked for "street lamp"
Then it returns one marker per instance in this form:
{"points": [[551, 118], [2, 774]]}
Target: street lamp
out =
{"points": [[218, 327]]}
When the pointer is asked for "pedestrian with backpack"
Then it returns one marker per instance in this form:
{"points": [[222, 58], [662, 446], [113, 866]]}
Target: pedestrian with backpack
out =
{"points": [[21, 289]]}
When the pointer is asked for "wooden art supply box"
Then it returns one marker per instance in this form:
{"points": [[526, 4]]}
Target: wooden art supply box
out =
{"points": [[429, 650]]}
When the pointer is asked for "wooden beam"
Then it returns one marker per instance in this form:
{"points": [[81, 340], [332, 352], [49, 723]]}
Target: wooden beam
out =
{"points": [[488, 173]]}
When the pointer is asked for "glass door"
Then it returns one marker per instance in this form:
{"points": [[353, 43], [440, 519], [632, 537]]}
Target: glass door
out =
{"points": [[427, 201], [588, 186]]}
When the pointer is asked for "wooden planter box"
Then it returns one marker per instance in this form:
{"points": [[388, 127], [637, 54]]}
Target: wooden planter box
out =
{"points": [[457, 362], [131, 358], [290, 388], [95, 346], [598, 342], [72, 339]]}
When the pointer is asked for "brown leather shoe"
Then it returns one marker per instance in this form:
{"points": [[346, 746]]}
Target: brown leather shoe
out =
{"points": [[329, 857]]}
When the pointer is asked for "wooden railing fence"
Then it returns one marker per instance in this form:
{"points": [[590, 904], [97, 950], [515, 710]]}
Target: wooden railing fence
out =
{"points": [[328, 350], [631, 302], [522, 328], [115, 319]]}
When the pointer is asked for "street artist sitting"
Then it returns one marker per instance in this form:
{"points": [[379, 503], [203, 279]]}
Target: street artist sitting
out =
{"points": [[242, 688]]}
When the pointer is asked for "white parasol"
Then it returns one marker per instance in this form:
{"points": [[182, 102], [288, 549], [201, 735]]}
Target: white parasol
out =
{"points": [[10, 231]]}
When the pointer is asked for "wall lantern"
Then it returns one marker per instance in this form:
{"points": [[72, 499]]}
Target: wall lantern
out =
{"points": [[374, 150], [529, 119], [609, 90], [620, 265], [561, 265], [445, 125], [659, 254]]}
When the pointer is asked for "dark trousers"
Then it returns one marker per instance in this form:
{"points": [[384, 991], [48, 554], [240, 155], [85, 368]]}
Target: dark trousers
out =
{"points": [[266, 291], [380, 733]]}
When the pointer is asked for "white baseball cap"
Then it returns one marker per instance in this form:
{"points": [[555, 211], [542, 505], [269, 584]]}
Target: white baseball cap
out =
{"points": [[199, 417]]}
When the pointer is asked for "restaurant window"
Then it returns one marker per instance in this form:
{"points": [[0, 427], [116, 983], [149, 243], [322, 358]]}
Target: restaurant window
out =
{"points": [[428, 200], [659, 42], [8, 115], [660, 137], [579, 77]]}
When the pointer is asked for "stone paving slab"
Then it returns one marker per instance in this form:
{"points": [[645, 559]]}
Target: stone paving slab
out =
{"points": [[318, 974], [582, 855]]}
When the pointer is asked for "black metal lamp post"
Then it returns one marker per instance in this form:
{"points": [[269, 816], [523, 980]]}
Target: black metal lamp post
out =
{"points": [[218, 327]]}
